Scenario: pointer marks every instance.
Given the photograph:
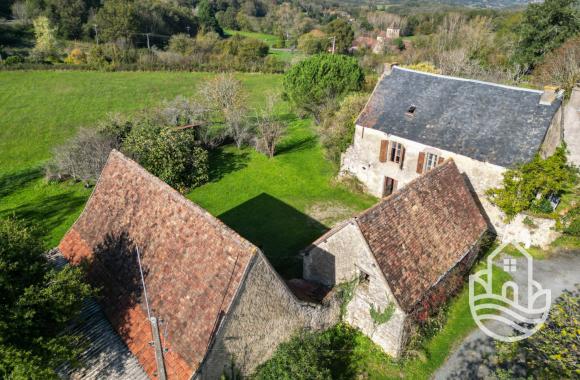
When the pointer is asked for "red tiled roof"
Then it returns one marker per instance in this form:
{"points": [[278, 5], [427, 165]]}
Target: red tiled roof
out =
{"points": [[421, 231], [193, 264]]}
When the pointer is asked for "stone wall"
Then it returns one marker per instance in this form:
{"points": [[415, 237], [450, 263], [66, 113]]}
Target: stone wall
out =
{"points": [[362, 160], [345, 256], [264, 314], [554, 135]]}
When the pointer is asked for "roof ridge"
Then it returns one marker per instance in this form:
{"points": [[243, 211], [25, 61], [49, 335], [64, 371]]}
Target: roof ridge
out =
{"points": [[178, 197], [469, 80], [407, 187]]}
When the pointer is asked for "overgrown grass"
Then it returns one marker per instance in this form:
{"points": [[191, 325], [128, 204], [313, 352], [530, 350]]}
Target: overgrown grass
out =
{"points": [[265, 200]]}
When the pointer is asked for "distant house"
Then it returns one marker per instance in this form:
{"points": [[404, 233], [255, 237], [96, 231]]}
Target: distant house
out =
{"points": [[415, 120], [211, 300], [407, 255]]}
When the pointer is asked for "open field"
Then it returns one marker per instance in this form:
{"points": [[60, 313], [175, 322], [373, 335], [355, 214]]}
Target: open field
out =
{"points": [[269, 39], [265, 200]]}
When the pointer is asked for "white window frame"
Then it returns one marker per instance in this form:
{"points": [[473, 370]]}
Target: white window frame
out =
{"points": [[398, 152], [431, 161]]}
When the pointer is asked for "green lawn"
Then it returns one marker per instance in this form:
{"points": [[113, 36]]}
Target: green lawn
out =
{"points": [[265, 200], [269, 39]]}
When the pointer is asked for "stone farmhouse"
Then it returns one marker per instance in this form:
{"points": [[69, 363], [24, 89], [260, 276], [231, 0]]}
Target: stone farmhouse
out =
{"points": [[408, 253], [214, 297], [413, 121]]}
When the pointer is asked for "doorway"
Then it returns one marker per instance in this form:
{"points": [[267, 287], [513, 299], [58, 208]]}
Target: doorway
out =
{"points": [[389, 187]]}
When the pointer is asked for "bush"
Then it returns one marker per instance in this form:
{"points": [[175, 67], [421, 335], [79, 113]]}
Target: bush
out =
{"points": [[320, 80], [336, 132], [83, 157], [552, 352], [75, 57], [313, 356], [528, 186], [13, 60], [171, 154]]}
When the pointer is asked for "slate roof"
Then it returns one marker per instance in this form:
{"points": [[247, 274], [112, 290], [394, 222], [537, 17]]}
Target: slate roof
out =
{"points": [[105, 355], [422, 231], [193, 264], [485, 121]]}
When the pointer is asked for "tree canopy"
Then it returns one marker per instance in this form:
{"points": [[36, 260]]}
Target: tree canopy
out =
{"points": [[544, 27], [315, 83], [37, 302]]}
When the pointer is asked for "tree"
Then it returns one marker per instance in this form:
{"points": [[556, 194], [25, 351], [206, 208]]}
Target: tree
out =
{"points": [[544, 27], [68, 16], [561, 66], [269, 129], [83, 157], [313, 42], [225, 96], [169, 153], [337, 131], [552, 352], [206, 16], [117, 19], [320, 80], [343, 34], [45, 36], [37, 303]]}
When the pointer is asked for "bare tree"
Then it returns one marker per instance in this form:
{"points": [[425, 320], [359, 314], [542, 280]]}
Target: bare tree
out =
{"points": [[238, 127], [83, 157], [225, 96], [269, 129]]}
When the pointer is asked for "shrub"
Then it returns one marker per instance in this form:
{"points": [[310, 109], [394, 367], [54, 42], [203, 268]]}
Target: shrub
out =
{"points": [[336, 132], [320, 80], [75, 57], [314, 356], [528, 186], [552, 352], [313, 42], [81, 158], [13, 60], [172, 155]]}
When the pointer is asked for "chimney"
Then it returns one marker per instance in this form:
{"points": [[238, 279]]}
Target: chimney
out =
{"points": [[389, 67], [549, 95]]}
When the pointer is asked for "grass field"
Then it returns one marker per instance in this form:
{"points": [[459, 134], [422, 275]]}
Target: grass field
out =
{"points": [[270, 39], [267, 201]]}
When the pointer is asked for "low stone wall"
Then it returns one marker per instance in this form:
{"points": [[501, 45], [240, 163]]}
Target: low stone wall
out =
{"points": [[264, 314]]}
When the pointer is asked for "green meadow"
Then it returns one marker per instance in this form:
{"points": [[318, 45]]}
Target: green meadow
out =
{"points": [[280, 204]]}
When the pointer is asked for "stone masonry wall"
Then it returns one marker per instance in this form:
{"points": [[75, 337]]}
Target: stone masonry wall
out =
{"points": [[362, 160], [264, 314], [346, 255]]}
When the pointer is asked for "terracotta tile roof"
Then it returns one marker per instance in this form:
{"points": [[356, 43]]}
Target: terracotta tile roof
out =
{"points": [[421, 231], [193, 264]]}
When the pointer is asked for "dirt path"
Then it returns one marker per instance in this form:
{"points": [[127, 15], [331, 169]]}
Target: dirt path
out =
{"points": [[473, 359]]}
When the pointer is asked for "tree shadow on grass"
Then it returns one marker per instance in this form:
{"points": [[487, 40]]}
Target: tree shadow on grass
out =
{"points": [[277, 228], [15, 181], [222, 162], [296, 145], [47, 213]]}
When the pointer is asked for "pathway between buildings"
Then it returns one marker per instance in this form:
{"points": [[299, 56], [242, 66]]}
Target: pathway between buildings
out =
{"points": [[474, 358]]}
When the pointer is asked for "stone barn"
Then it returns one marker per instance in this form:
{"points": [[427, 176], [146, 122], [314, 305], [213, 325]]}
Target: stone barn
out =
{"points": [[413, 121], [210, 300], [405, 256]]}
